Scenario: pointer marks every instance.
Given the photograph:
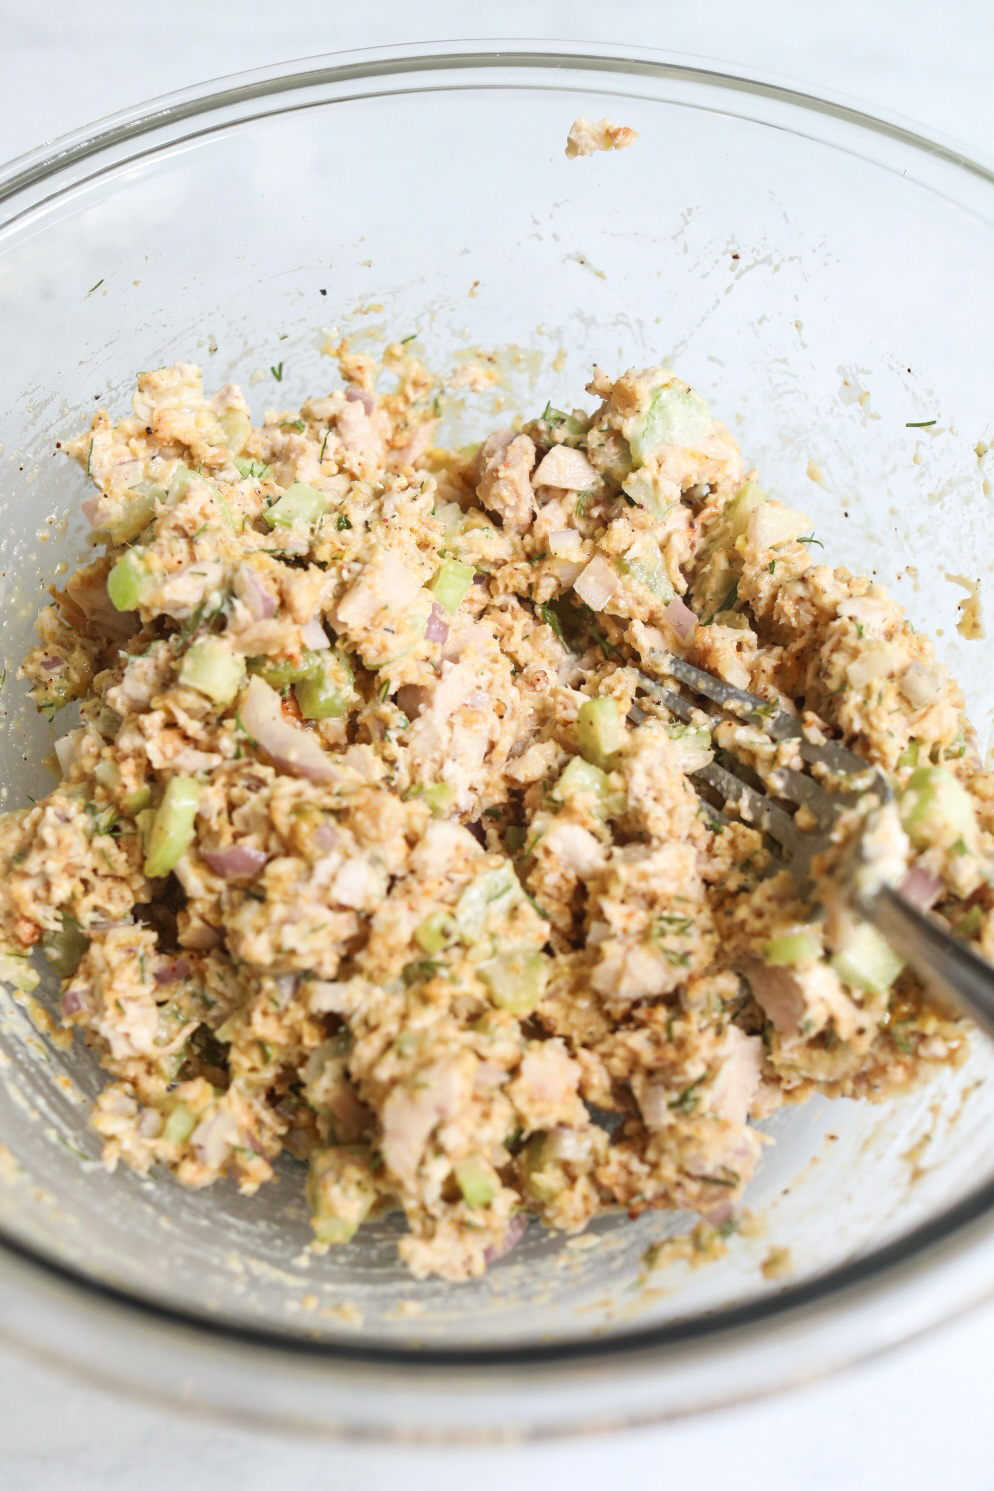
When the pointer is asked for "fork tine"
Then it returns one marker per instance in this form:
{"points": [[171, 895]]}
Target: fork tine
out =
{"points": [[754, 808], [795, 786], [779, 726], [676, 703]]}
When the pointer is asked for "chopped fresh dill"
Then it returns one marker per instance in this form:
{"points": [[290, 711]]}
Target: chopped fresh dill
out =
{"points": [[277, 372]]}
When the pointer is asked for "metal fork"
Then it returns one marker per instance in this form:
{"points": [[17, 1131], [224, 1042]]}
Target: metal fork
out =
{"points": [[941, 960]]}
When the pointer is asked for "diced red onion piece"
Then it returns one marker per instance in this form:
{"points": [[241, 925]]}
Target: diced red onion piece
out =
{"points": [[65, 750], [720, 1214], [480, 578], [90, 507], [171, 972], [921, 887], [313, 635], [564, 543], [681, 618], [234, 862], [516, 1229], [360, 396], [73, 1001], [253, 594], [565, 468], [202, 937], [436, 627], [326, 836], [213, 1137], [289, 748], [52, 664], [596, 583]]}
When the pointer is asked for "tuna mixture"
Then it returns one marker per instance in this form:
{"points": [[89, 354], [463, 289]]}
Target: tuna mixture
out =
{"points": [[358, 853]]}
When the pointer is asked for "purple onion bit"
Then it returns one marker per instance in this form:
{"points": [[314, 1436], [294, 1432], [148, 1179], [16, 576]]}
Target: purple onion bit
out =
{"points": [[516, 1229], [436, 627], [236, 862]]}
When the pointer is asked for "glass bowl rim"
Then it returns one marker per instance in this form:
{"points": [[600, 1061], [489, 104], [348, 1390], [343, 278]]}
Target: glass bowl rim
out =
{"points": [[943, 1239]]}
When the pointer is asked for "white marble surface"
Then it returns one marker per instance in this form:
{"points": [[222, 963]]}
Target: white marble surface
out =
{"points": [[910, 1421]]}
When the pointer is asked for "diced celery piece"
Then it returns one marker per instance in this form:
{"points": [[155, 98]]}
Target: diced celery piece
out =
{"points": [[134, 802], [65, 948], [516, 979], [793, 949], [645, 563], [641, 488], [281, 671], [129, 581], [476, 1180], [341, 1191], [693, 745], [299, 504], [326, 693], [450, 514], [237, 428], [970, 924], [866, 960], [17, 971], [438, 796], [909, 756], [182, 478], [137, 515], [581, 777], [108, 774], [144, 819], [228, 1029], [179, 1125], [436, 932], [675, 416], [451, 583], [937, 809], [213, 669], [258, 470], [536, 1158], [735, 519], [495, 891], [598, 731], [173, 825]]}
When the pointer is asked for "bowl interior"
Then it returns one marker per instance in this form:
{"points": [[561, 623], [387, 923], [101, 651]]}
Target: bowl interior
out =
{"points": [[823, 284]]}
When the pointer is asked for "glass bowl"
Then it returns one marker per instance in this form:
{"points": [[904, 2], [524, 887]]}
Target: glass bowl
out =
{"points": [[824, 278]]}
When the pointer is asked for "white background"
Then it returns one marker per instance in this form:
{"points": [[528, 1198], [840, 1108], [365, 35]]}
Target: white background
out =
{"points": [[917, 1419]]}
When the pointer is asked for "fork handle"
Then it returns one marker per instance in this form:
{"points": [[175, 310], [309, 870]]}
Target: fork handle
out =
{"points": [[965, 980]]}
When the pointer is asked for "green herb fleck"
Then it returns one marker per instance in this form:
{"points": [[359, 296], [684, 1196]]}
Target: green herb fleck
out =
{"points": [[551, 619], [277, 372], [294, 424], [535, 905], [89, 458], [809, 538], [96, 286], [919, 424], [342, 523], [324, 442], [689, 1098], [404, 340]]}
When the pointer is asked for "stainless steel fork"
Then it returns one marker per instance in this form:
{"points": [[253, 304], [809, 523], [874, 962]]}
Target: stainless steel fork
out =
{"points": [[949, 966]]}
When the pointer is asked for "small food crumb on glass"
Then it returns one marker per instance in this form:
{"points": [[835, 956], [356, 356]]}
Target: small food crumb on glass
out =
{"points": [[585, 138]]}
